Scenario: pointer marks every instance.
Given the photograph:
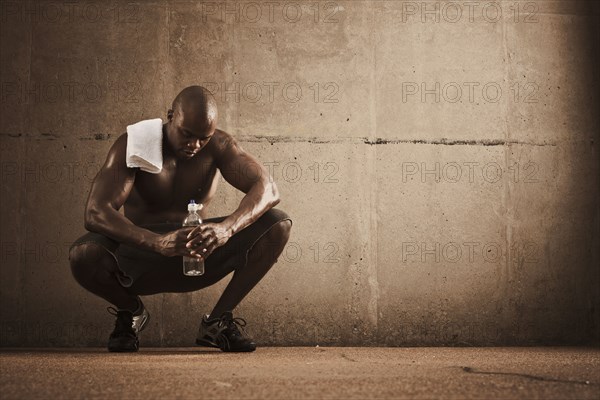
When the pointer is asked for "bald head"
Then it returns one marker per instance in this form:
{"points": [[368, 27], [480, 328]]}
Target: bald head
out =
{"points": [[192, 121], [196, 103]]}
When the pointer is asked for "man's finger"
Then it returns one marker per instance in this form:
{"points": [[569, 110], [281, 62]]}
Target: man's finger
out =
{"points": [[195, 242], [195, 231], [211, 243], [205, 249], [184, 232]]}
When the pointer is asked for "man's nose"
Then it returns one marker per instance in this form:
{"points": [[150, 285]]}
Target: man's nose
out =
{"points": [[195, 144]]}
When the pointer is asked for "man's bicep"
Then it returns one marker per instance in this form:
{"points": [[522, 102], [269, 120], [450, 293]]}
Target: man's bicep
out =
{"points": [[114, 181]]}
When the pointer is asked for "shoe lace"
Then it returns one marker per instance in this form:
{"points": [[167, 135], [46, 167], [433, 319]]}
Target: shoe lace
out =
{"points": [[234, 325]]}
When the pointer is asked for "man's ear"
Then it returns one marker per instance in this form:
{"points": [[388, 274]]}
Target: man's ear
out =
{"points": [[170, 114]]}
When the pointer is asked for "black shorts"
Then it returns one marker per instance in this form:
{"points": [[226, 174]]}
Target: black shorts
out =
{"points": [[134, 262]]}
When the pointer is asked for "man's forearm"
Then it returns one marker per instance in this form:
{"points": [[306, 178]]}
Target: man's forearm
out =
{"points": [[261, 198], [111, 223]]}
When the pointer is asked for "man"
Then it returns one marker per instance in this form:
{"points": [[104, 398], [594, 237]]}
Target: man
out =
{"points": [[139, 252]]}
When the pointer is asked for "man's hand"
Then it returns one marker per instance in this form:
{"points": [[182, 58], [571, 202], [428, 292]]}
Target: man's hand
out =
{"points": [[206, 237], [172, 244]]}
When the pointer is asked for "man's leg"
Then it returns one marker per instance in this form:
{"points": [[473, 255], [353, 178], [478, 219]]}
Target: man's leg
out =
{"points": [[96, 269], [261, 258], [168, 276], [219, 329]]}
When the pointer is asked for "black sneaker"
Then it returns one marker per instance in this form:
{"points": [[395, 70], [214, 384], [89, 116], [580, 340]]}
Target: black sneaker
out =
{"points": [[123, 338], [224, 334]]}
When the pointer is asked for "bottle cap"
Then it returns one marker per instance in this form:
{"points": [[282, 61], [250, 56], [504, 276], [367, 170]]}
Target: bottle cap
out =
{"points": [[192, 206]]}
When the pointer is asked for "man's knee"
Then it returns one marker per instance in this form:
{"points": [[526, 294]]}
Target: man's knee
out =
{"points": [[272, 243], [278, 235], [86, 259], [280, 232]]}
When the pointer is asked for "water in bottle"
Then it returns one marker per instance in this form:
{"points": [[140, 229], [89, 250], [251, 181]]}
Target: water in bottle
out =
{"points": [[193, 266]]}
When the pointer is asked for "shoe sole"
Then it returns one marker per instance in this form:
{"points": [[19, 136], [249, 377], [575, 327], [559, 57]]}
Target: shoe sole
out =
{"points": [[206, 343], [250, 350], [123, 348]]}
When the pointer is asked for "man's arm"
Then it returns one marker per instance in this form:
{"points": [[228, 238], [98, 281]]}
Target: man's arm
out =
{"points": [[247, 174], [109, 191]]}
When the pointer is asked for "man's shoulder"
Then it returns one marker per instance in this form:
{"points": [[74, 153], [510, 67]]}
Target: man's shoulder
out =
{"points": [[118, 150], [222, 138], [221, 141], [120, 145]]}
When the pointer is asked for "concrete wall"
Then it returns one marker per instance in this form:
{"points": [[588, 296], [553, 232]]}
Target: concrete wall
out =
{"points": [[442, 169]]}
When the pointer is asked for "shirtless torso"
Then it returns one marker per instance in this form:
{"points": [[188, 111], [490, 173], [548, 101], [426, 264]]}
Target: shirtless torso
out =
{"points": [[189, 172], [163, 197]]}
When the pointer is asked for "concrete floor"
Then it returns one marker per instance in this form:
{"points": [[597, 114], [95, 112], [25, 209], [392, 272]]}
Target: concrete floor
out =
{"points": [[303, 372]]}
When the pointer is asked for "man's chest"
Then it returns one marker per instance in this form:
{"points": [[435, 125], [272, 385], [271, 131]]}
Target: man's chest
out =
{"points": [[176, 183]]}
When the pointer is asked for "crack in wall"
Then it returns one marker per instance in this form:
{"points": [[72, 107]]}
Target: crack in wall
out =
{"points": [[459, 142], [316, 140]]}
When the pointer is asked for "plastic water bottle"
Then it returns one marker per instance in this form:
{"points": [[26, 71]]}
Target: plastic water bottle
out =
{"points": [[193, 266]]}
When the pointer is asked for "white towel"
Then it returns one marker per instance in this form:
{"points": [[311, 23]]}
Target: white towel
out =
{"points": [[144, 145]]}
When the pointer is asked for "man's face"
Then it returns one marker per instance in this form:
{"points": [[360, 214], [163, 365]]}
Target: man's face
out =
{"points": [[189, 133]]}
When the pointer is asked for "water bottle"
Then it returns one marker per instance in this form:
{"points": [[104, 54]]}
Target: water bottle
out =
{"points": [[193, 266]]}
